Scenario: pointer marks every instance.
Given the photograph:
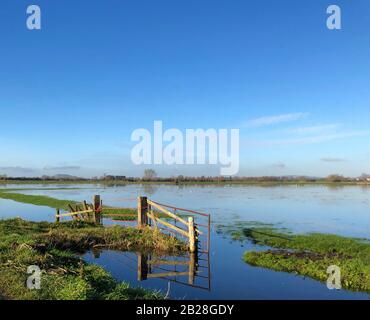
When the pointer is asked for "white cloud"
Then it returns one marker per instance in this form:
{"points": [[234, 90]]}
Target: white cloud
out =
{"points": [[330, 159], [62, 168], [313, 129], [271, 120]]}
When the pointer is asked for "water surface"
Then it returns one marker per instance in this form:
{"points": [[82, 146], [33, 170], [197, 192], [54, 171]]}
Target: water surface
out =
{"points": [[341, 210]]}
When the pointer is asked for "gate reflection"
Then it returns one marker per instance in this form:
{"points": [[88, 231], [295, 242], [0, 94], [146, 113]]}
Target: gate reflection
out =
{"points": [[192, 270]]}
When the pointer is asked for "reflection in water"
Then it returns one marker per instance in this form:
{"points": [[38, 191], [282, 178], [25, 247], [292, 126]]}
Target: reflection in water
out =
{"points": [[191, 270], [170, 269], [150, 189]]}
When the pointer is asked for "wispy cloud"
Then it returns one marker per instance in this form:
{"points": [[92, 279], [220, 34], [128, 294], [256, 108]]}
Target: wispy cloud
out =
{"points": [[329, 159], [276, 119], [278, 165], [308, 140], [62, 168], [313, 129], [321, 138]]}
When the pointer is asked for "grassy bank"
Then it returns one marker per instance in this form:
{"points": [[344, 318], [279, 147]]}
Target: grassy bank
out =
{"points": [[35, 199], [39, 200], [311, 254], [127, 214], [56, 248]]}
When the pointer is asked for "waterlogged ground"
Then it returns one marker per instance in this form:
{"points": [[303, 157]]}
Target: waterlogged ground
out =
{"points": [[341, 210]]}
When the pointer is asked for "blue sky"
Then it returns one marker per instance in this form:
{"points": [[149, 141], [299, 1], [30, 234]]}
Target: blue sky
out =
{"points": [[72, 93]]}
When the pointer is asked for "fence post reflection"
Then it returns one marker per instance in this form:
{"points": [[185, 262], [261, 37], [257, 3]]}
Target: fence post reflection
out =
{"points": [[190, 268], [142, 267]]}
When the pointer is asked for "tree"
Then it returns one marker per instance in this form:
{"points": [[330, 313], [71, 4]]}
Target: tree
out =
{"points": [[335, 178], [149, 174], [179, 179]]}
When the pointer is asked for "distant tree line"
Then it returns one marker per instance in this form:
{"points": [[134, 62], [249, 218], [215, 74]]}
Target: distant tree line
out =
{"points": [[151, 175]]}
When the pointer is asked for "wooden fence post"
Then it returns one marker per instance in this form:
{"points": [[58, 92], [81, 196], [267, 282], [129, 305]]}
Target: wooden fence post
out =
{"points": [[192, 239], [101, 212], [57, 218], [96, 203], [149, 221], [142, 209]]}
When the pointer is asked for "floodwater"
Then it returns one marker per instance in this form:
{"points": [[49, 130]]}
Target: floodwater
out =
{"points": [[221, 273]]}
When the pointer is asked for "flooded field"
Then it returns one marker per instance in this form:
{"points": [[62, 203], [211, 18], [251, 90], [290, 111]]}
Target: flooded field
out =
{"points": [[221, 274]]}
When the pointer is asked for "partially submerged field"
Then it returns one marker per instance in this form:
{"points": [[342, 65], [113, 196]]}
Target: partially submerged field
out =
{"points": [[310, 255], [55, 249], [40, 200]]}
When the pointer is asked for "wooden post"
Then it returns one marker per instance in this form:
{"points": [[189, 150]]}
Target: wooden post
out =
{"points": [[142, 209], [192, 239], [88, 216], [57, 218], [96, 203], [93, 215]]}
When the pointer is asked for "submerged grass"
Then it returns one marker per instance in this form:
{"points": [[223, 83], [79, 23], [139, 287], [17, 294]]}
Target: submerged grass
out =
{"points": [[311, 254], [37, 200], [117, 214], [55, 248], [40, 200], [238, 230], [129, 214]]}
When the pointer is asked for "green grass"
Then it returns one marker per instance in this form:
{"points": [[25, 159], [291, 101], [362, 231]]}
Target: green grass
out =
{"points": [[129, 214], [39, 200], [55, 248], [311, 254], [236, 229]]}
